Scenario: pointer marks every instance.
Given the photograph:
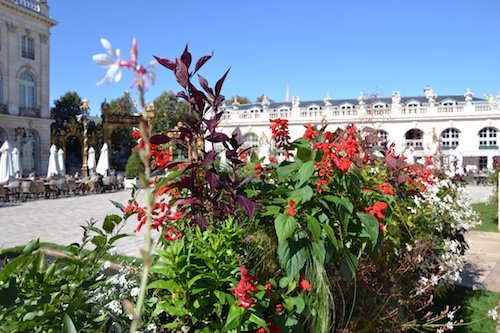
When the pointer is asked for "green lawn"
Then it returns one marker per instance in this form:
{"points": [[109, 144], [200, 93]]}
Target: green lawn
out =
{"points": [[488, 214], [474, 305]]}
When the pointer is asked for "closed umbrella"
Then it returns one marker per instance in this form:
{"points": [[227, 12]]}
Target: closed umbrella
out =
{"points": [[103, 163], [91, 160], [60, 161], [53, 168], [16, 162], [6, 167]]}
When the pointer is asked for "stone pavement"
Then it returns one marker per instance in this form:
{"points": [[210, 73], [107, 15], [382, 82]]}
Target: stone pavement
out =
{"points": [[58, 221]]}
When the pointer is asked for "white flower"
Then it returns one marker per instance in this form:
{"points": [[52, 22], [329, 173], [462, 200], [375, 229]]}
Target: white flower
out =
{"points": [[135, 291], [106, 264], [409, 248], [493, 314], [449, 325], [440, 330], [434, 280], [111, 60], [451, 315]]}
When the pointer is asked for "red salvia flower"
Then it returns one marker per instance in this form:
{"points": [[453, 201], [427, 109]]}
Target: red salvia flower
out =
{"points": [[311, 132], [245, 286], [385, 188], [304, 284], [172, 234], [290, 208]]}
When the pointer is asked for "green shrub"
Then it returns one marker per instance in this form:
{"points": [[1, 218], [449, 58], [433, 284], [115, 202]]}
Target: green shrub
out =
{"points": [[134, 167]]}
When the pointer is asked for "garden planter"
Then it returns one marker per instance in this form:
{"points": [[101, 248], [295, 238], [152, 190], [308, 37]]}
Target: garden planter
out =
{"points": [[129, 183]]}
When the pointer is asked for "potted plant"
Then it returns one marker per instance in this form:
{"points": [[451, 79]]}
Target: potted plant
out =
{"points": [[133, 169]]}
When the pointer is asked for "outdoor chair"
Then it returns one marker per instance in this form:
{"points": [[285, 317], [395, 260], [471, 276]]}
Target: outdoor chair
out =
{"points": [[4, 195], [53, 189], [72, 186], [62, 186], [113, 182], [15, 189], [119, 181], [106, 183], [40, 188], [28, 189]]}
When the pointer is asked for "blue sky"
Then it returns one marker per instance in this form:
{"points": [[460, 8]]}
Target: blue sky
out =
{"points": [[338, 46]]}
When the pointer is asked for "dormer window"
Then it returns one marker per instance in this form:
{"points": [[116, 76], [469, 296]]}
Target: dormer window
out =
{"points": [[448, 102], [346, 107], [379, 105], [313, 108], [413, 104], [284, 109]]}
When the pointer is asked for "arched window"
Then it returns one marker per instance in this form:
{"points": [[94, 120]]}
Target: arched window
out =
{"points": [[414, 138], [251, 141], [383, 136], [29, 152], [488, 138], [3, 137], [27, 98], [1, 90], [450, 138]]}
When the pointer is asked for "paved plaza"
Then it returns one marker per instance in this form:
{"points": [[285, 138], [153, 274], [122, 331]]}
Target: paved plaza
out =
{"points": [[59, 220]]}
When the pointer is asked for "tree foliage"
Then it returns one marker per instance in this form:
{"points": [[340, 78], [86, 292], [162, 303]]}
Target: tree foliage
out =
{"points": [[65, 108], [168, 112], [240, 99], [123, 105]]}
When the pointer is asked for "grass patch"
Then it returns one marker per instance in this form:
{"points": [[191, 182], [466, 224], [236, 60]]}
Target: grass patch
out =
{"points": [[474, 305], [488, 214]]}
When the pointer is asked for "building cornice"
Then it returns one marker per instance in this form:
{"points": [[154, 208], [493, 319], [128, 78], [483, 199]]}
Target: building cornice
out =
{"points": [[28, 13]]}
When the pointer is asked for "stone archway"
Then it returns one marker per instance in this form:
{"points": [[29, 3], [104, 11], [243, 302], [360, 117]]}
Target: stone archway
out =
{"points": [[73, 154]]}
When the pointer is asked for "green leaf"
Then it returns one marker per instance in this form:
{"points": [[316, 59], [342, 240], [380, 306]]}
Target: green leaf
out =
{"points": [[285, 226], [169, 285], [348, 265], [9, 295], [118, 205], [176, 310], [99, 241], [292, 257], [68, 326], [305, 173], [299, 304], [285, 169], [331, 236], [303, 194], [31, 246], [314, 226], [283, 282], [117, 237], [234, 318], [259, 321], [304, 153], [370, 226], [110, 221], [340, 201]]}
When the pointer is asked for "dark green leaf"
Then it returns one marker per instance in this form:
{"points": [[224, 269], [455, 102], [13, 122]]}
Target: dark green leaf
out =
{"points": [[32, 246], [285, 169], [110, 221], [234, 318], [68, 326], [370, 226], [340, 201], [304, 153], [285, 226], [292, 257], [348, 265], [118, 205], [314, 226], [305, 173], [170, 285]]}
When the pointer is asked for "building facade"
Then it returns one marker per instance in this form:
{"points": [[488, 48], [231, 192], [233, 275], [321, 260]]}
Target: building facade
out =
{"points": [[24, 80], [463, 128]]}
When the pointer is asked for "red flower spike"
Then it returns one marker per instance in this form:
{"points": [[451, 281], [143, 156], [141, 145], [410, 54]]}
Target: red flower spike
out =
{"points": [[304, 284]]}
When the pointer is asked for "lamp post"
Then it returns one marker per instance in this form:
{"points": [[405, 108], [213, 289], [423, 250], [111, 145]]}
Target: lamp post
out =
{"points": [[83, 117]]}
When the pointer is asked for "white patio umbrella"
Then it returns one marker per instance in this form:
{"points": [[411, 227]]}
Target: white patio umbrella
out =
{"points": [[16, 162], [91, 160], [60, 161], [53, 168], [6, 167], [103, 163]]}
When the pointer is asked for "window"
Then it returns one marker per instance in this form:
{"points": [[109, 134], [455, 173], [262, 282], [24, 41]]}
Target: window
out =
{"points": [[251, 141], [28, 47], [382, 136], [27, 91], [450, 138], [488, 138], [414, 138]]}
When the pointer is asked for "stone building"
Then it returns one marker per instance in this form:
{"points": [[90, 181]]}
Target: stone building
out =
{"points": [[462, 127], [24, 80]]}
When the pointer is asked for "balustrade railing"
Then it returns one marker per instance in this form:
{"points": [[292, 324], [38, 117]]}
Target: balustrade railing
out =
{"points": [[3, 109], [30, 4], [29, 112]]}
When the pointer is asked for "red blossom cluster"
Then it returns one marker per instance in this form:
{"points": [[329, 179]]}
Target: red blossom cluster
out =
{"points": [[160, 156], [385, 188], [271, 328], [290, 209], [161, 214], [172, 233], [304, 284], [337, 152], [281, 135], [310, 133], [245, 286], [378, 211]]}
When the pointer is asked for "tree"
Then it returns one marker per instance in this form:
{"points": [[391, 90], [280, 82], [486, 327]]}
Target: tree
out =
{"points": [[123, 105], [168, 111], [240, 99], [259, 99], [65, 108]]}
